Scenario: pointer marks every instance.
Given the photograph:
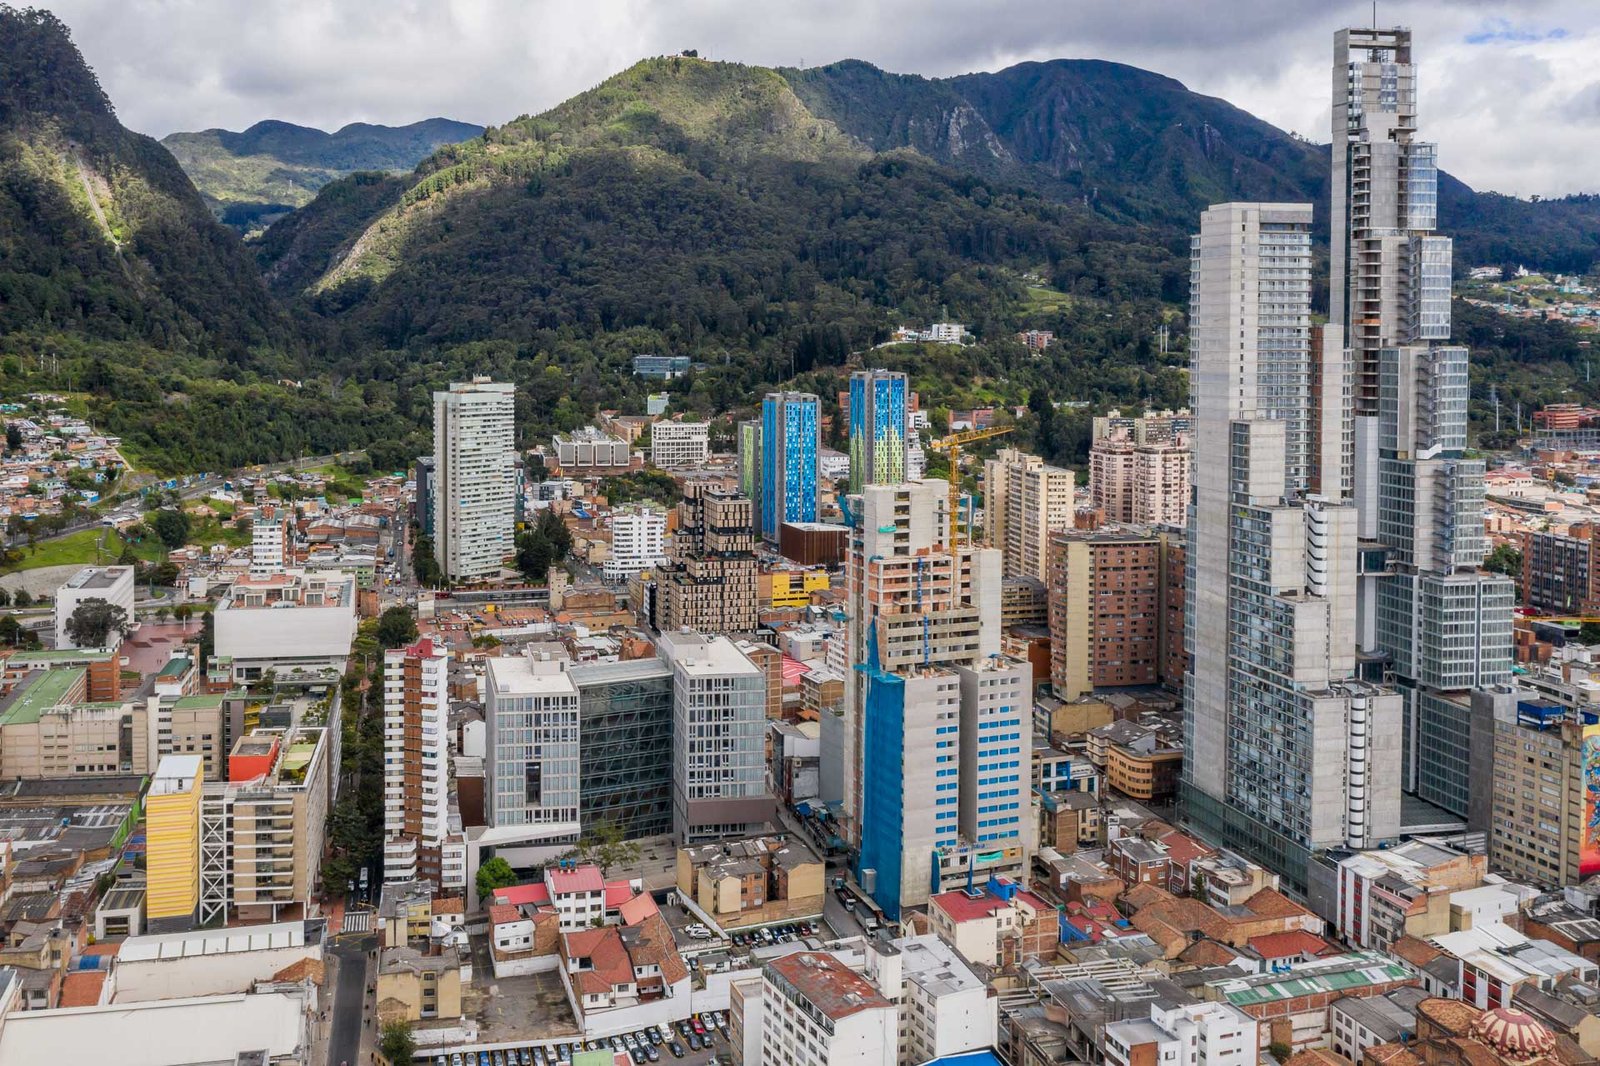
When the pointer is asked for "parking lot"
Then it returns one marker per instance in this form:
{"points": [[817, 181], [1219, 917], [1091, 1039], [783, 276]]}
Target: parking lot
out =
{"points": [[699, 1041]]}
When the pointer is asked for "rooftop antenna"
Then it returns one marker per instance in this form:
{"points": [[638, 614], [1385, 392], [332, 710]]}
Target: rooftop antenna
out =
{"points": [[1374, 14]]}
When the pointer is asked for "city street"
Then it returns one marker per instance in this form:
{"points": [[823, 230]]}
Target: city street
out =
{"points": [[349, 1000]]}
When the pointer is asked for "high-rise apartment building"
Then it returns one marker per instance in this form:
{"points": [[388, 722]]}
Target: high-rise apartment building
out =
{"points": [[1115, 603], [427, 486], [172, 841], [1561, 573], [269, 540], [475, 479], [1427, 616], [933, 714], [638, 542], [877, 428], [1288, 752], [1025, 500], [416, 761], [719, 722], [790, 423], [1530, 760], [1145, 484], [711, 583], [749, 441]]}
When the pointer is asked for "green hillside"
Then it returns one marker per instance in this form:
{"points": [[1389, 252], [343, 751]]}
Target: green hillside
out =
{"points": [[271, 168]]}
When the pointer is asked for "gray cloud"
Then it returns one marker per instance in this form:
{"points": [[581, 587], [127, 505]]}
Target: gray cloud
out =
{"points": [[1492, 69]]}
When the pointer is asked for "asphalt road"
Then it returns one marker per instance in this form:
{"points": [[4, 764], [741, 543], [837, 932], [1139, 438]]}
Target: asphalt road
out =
{"points": [[349, 999]]}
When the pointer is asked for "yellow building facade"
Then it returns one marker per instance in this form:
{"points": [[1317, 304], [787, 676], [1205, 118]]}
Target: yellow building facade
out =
{"points": [[172, 838]]}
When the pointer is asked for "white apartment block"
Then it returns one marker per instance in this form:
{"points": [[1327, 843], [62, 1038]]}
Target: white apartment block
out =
{"points": [[638, 542], [674, 444], [474, 456], [816, 1011], [416, 766], [719, 723], [945, 1009], [269, 541], [1025, 500], [590, 448], [1194, 1034], [114, 584]]}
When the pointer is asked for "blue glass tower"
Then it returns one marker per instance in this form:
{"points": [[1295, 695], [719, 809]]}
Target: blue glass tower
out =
{"points": [[789, 441], [877, 428]]}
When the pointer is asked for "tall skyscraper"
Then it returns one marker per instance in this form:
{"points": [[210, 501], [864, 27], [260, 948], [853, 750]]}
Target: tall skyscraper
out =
{"points": [[935, 722], [877, 428], [1025, 500], [711, 583], [475, 478], [1288, 753], [416, 761], [1428, 617], [789, 440]]}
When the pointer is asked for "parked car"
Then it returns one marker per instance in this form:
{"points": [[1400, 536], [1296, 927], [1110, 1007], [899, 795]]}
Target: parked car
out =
{"points": [[676, 1049], [694, 1042]]}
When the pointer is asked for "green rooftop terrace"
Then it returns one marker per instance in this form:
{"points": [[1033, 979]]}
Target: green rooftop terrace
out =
{"points": [[33, 698]]}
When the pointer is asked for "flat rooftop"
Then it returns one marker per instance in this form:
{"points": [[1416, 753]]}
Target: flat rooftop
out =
{"points": [[518, 675], [204, 1029], [35, 696], [97, 577]]}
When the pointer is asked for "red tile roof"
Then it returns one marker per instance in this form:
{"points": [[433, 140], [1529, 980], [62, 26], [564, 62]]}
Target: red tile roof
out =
{"points": [[1184, 849], [617, 893], [1289, 944], [502, 913], [638, 909], [517, 895], [577, 879], [1270, 903], [82, 988], [829, 985]]}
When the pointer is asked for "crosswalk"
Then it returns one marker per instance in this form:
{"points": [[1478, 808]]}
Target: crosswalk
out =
{"points": [[357, 921]]}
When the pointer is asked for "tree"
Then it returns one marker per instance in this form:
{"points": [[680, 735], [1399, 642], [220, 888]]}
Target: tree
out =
{"points": [[1504, 560], [396, 626], [397, 1044], [13, 437], [94, 621], [208, 638], [496, 873], [172, 526], [555, 532], [1589, 634], [23, 598], [183, 612], [11, 631], [606, 845], [5, 597], [163, 613], [534, 555]]}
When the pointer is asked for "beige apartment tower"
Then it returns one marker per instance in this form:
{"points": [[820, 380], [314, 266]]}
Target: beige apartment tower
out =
{"points": [[1025, 500]]}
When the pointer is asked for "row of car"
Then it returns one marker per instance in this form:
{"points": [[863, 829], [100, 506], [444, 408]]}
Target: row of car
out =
{"points": [[774, 934], [694, 1033]]}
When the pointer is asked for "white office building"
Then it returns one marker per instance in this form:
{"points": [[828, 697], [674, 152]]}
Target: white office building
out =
{"points": [[1191, 1034], [269, 540], [674, 444], [816, 1011], [638, 542], [475, 478], [1288, 753], [531, 708], [114, 584], [719, 722], [945, 1008]]}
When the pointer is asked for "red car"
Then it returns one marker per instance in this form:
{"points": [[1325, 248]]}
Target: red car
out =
{"points": [[699, 1026]]}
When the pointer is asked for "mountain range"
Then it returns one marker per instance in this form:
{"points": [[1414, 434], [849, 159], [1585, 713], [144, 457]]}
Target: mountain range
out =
{"points": [[767, 222], [253, 177]]}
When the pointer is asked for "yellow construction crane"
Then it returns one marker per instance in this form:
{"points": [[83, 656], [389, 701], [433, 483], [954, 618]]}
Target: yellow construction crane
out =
{"points": [[951, 446]]}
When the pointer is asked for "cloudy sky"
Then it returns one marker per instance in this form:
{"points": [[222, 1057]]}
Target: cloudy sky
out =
{"points": [[1510, 90]]}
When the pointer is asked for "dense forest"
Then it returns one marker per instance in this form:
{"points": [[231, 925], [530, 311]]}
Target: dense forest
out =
{"points": [[772, 225]]}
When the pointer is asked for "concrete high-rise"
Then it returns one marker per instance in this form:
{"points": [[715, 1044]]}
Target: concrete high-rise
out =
{"points": [[416, 767], [932, 714], [475, 478], [719, 728], [790, 423], [877, 428], [710, 584], [1288, 752], [1025, 500], [1142, 483], [1427, 617]]}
